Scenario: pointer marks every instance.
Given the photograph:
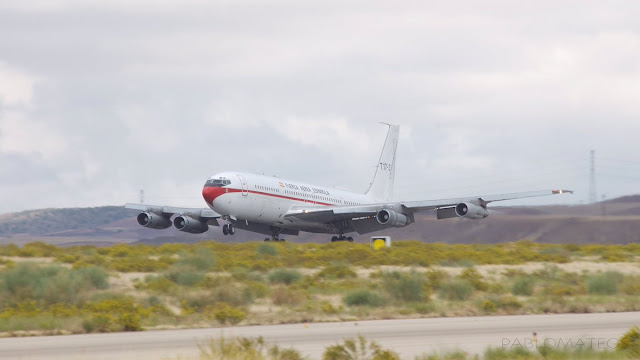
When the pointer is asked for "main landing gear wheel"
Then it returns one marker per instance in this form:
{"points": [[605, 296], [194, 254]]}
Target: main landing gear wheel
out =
{"points": [[341, 238], [228, 229], [273, 239]]}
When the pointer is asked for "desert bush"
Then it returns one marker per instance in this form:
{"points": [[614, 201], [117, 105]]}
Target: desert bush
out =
{"points": [[523, 286], [49, 284], [509, 303], [255, 290], [405, 286], [516, 352], [244, 349], [282, 295], [327, 308], [138, 264], [604, 284], [358, 349], [436, 277], [424, 308], [98, 323], [456, 289], [267, 249], [201, 260], [363, 297], [336, 271], [285, 276], [224, 313], [630, 285], [37, 249], [185, 277], [629, 343], [474, 278], [114, 312], [489, 306], [158, 283], [235, 294]]}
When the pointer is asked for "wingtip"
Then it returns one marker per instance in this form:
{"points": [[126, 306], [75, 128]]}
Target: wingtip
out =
{"points": [[558, 191]]}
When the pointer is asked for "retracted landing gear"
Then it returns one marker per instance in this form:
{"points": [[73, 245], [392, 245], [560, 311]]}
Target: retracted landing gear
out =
{"points": [[228, 229], [342, 238]]}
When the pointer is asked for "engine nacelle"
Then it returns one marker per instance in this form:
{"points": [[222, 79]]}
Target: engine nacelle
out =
{"points": [[392, 218], [471, 211], [153, 220], [189, 224]]}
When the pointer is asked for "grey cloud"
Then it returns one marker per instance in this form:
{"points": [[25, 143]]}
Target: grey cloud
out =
{"points": [[491, 96]]}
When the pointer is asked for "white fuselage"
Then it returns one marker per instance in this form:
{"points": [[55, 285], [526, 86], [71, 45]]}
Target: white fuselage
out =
{"points": [[263, 199]]}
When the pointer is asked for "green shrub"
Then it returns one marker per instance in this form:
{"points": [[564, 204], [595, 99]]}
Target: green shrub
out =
{"points": [[523, 286], [267, 249], [629, 343], [201, 259], [489, 306], [424, 308], [224, 313], [245, 349], [405, 286], [516, 352], [49, 284], [138, 264], [457, 289], [98, 323], [337, 271], [159, 283], [185, 277], [285, 276], [363, 298], [474, 278], [130, 321], [630, 285], [604, 284], [358, 349]]}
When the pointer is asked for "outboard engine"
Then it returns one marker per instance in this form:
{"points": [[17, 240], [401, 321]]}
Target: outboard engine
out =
{"points": [[392, 218], [471, 211], [153, 220]]}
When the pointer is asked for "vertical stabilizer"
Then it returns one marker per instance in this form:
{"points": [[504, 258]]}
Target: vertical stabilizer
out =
{"points": [[382, 185]]}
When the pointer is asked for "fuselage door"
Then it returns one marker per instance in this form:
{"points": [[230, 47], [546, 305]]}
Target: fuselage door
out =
{"points": [[243, 183]]}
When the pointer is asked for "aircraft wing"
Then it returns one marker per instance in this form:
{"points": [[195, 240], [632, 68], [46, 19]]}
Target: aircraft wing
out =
{"points": [[203, 213], [479, 200], [334, 213]]}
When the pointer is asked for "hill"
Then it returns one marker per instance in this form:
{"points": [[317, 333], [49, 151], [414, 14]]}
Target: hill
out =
{"points": [[615, 221]]}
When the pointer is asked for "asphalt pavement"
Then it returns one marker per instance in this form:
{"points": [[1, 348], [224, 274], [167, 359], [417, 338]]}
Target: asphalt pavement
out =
{"points": [[409, 337]]}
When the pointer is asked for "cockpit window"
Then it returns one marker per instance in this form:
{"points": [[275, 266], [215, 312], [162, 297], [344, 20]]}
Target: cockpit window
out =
{"points": [[217, 183]]}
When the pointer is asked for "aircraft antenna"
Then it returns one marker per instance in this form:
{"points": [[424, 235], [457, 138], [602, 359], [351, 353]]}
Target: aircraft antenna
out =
{"points": [[593, 196]]}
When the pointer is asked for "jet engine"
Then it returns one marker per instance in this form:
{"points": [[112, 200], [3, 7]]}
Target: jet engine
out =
{"points": [[392, 218], [188, 224], [471, 211], [153, 220]]}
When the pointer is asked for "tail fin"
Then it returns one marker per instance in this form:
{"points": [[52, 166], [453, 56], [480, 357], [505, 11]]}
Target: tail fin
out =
{"points": [[382, 185]]}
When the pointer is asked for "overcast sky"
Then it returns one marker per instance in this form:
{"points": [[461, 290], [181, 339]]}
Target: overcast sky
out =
{"points": [[99, 99]]}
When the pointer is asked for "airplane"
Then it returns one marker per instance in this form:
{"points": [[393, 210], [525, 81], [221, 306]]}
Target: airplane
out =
{"points": [[275, 206]]}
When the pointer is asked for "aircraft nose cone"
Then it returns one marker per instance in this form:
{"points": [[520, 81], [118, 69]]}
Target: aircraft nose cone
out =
{"points": [[211, 193]]}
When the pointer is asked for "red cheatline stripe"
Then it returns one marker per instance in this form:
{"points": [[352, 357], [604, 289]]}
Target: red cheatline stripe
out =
{"points": [[278, 196]]}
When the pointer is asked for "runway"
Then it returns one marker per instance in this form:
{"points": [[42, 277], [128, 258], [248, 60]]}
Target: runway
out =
{"points": [[407, 337]]}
